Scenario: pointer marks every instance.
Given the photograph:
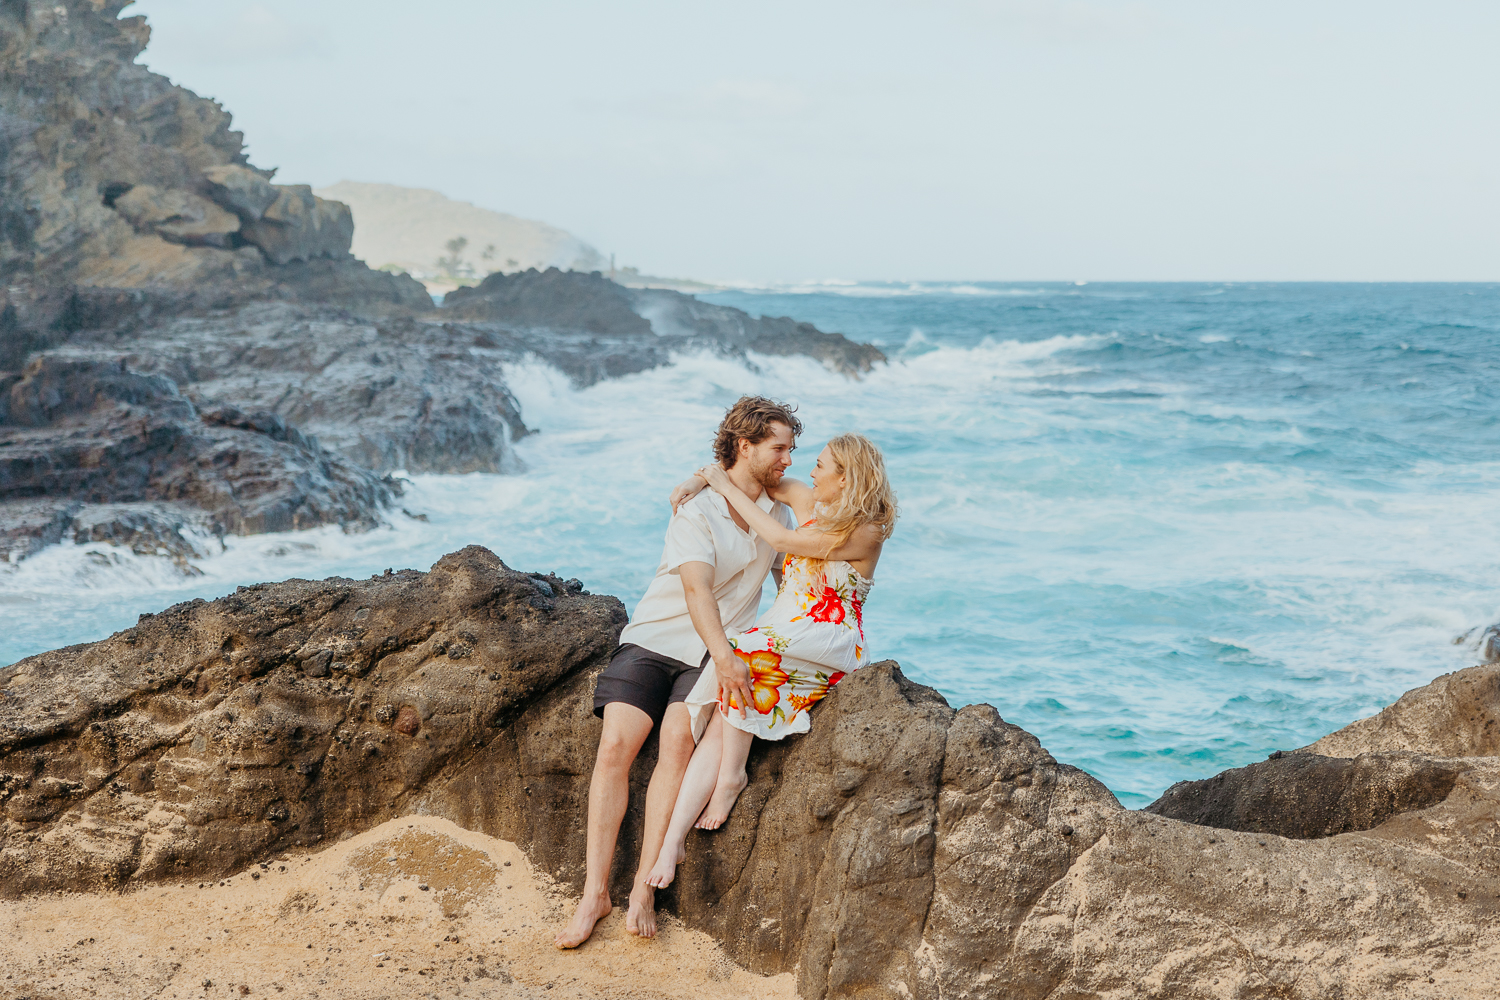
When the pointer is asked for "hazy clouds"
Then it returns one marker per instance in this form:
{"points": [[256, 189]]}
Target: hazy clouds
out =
{"points": [[975, 139]]}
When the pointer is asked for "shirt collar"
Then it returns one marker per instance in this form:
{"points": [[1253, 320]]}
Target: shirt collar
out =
{"points": [[765, 502]]}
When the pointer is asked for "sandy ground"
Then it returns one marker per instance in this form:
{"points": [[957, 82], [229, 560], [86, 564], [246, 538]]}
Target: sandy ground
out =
{"points": [[417, 907]]}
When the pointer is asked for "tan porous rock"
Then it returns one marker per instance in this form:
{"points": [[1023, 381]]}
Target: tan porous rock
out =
{"points": [[178, 216], [242, 190], [299, 225], [1457, 715], [899, 849]]}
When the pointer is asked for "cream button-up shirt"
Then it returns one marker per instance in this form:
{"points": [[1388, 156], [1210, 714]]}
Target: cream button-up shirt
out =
{"points": [[703, 531]]}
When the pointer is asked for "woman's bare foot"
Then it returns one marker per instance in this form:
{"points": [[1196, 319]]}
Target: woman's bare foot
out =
{"points": [[717, 810], [640, 918], [666, 867], [591, 910]]}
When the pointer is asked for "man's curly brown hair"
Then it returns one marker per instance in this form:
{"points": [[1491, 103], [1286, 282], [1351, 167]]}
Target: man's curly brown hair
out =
{"points": [[751, 418]]}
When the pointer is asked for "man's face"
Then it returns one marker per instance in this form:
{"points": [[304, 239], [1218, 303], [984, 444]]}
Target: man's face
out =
{"points": [[769, 460]]}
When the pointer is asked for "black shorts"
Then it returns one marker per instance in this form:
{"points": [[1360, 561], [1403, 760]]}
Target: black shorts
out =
{"points": [[647, 680]]}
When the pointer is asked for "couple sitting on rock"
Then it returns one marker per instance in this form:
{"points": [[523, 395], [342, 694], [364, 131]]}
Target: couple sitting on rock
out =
{"points": [[700, 609]]}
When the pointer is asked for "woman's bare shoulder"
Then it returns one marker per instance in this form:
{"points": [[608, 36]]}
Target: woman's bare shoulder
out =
{"points": [[791, 492]]}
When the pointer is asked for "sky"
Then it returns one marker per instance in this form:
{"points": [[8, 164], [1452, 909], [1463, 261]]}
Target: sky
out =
{"points": [[949, 139]]}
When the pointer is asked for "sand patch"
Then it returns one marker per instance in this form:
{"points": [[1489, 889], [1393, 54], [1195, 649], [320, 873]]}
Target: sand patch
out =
{"points": [[416, 907]]}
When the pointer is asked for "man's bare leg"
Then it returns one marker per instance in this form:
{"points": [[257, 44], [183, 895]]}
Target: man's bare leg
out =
{"points": [[697, 785], [731, 778], [625, 729], [672, 758]]}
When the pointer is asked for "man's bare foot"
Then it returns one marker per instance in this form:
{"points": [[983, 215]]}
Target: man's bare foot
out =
{"points": [[591, 910], [640, 919], [717, 810], [666, 867]]}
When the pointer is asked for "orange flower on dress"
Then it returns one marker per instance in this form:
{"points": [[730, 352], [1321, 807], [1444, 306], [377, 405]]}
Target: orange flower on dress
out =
{"points": [[766, 678], [817, 694]]}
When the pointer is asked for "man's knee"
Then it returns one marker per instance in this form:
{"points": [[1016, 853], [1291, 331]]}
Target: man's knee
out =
{"points": [[625, 730], [676, 743]]}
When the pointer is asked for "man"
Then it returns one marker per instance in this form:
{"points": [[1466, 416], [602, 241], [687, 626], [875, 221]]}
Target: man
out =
{"points": [[708, 584]]}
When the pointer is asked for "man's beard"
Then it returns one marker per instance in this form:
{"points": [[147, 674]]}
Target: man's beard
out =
{"points": [[768, 475]]}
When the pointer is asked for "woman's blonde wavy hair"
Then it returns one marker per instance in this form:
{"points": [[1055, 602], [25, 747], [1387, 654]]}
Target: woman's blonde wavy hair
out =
{"points": [[867, 498]]}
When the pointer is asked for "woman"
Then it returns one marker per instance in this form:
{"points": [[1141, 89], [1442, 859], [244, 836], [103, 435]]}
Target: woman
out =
{"points": [[810, 638]]}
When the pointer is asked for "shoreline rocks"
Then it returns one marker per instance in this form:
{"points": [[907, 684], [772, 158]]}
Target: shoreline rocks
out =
{"points": [[81, 432], [590, 306], [901, 848]]}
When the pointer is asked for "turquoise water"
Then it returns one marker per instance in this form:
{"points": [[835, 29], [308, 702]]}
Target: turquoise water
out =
{"points": [[1167, 528]]}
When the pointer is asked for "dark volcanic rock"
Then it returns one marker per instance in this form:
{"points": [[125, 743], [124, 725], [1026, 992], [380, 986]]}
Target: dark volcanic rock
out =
{"points": [[83, 430], [553, 299], [175, 531], [382, 394], [675, 314], [617, 329], [1305, 795], [900, 849]]}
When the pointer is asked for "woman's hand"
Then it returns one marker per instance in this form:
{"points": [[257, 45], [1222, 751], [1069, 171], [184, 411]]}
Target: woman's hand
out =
{"points": [[686, 490], [715, 476]]}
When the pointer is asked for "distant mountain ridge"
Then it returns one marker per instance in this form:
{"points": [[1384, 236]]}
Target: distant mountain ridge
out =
{"points": [[410, 228]]}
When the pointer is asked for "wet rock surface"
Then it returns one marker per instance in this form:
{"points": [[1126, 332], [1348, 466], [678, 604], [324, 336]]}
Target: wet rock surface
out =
{"points": [[381, 394], [901, 848], [77, 433]]}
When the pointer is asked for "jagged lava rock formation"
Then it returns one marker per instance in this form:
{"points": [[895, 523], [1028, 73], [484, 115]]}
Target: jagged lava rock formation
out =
{"points": [[899, 849], [583, 308], [113, 178]]}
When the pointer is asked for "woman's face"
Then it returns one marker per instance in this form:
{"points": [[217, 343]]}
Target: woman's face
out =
{"points": [[828, 481]]}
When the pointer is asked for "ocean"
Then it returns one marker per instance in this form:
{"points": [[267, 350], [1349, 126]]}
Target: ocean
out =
{"points": [[1168, 528]]}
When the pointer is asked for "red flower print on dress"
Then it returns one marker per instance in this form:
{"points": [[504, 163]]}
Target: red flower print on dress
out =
{"points": [[829, 609]]}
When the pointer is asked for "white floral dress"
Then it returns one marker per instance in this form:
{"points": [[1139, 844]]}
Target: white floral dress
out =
{"points": [[809, 639]]}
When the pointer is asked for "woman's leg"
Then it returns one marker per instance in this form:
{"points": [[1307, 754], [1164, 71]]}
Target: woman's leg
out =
{"points": [[731, 781], [697, 786]]}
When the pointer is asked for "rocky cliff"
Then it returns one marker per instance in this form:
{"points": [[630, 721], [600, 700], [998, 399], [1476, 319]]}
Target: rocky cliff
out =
{"points": [[189, 349], [114, 178], [902, 848]]}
